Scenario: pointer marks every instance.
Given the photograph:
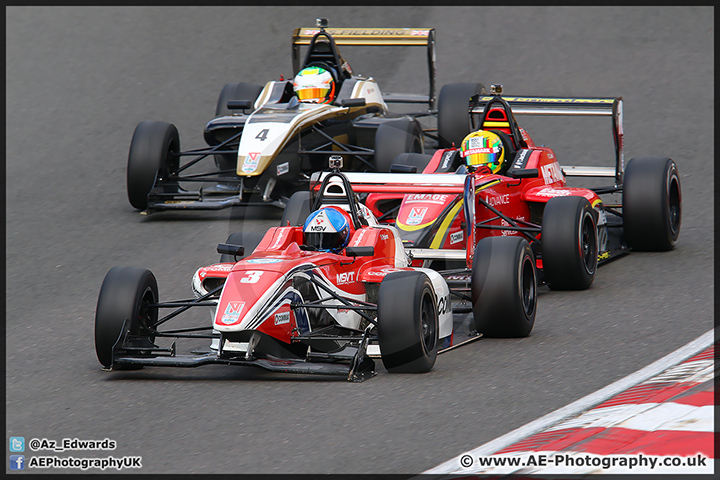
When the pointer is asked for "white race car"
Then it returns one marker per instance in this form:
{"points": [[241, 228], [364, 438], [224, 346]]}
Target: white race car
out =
{"points": [[265, 142]]}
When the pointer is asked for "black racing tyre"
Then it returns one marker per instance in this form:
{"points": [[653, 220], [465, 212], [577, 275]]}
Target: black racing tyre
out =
{"points": [[408, 324], [569, 243], [504, 287], [236, 91], [122, 310], [151, 159], [297, 209], [417, 160], [453, 118], [249, 240], [651, 204], [394, 137]]}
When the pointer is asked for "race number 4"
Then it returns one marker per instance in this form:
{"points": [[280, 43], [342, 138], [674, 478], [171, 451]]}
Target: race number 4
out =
{"points": [[262, 136]]}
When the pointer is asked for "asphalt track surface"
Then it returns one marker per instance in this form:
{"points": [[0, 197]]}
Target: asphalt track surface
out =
{"points": [[80, 79]]}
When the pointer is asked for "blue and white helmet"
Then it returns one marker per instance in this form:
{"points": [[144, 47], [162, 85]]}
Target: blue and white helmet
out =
{"points": [[327, 229]]}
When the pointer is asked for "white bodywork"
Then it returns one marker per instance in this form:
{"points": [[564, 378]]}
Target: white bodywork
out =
{"points": [[270, 127]]}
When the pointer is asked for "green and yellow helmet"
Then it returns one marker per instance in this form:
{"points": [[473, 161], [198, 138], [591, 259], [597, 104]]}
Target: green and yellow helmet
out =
{"points": [[314, 85], [483, 148]]}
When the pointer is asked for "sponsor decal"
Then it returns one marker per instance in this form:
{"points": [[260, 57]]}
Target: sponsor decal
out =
{"points": [[552, 192], [521, 159], [321, 223], [444, 305], [264, 260], [607, 101], [604, 256], [458, 277], [426, 198], [602, 217], [507, 232], [456, 237], [524, 134], [232, 312], [383, 272], [473, 151], [251, 162], [384, 236], [279, 239], [283, 168], [416, 215], [370, 90], [282, 318], [345, 278], [551, 173], [497, 200], [446, 159], [359, 238], [368, 32]]}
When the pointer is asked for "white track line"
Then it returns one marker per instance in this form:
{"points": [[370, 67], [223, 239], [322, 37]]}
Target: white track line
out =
{"points": [[585, 403]]}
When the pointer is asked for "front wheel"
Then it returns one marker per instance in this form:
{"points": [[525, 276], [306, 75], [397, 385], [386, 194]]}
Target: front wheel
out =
{"points": [[125, 312], [408, 324], [236, 91], [152, 158], [504, 287], [651, 204]]}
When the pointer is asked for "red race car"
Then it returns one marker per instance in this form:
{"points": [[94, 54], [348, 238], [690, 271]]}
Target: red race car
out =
{"points": [[323, 295], [524, 196]]}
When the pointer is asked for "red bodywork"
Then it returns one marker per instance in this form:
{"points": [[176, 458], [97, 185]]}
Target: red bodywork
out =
{"points": [[432, 216], [259, 288]]}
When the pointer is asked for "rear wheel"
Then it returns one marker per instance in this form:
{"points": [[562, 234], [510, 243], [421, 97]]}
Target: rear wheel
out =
{"points": [[395, 137], [569, 243], [297, 209], [152, 158], [407, 322], [453, 112], [651, 203], [124, 310], [504, 287]]}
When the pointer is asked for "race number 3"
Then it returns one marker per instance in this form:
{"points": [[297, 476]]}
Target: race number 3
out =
{"points": [[253, 276]]}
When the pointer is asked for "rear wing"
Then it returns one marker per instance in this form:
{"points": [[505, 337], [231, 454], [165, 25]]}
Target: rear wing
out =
{"points": [[385, 37], [612, 107], [400, 183]]}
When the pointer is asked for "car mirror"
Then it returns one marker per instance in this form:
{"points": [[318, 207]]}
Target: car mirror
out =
{"points": [[397, 168], [227, 249], [360, 251], [524, 173], [239, 104], [352, 102]]}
